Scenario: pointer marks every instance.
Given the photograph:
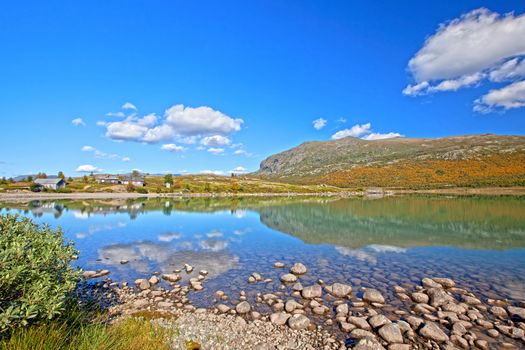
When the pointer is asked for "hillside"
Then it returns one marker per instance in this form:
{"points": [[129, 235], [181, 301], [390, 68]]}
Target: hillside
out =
{"points": [[471, 160]]}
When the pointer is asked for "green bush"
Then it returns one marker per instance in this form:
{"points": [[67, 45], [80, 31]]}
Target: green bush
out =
{"points": [[35, 272], [64, 190], [141, 190]]}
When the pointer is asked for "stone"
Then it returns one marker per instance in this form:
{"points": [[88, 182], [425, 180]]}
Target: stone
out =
{"points": [[339, 290], [432, 331], [379, 320], [419, 297], [319, 310], [89, 274], [142, 284], [347, 327], [140, 303], [288, 278], [493, 333], [278, 265], [455, 308], [171, 277], [391, 333], [499, 312], [153, 280], [368, 343], [445, 282], [342, 309], [257, 276], [165, 305], [310, 292], [223, 308], [439, 297], [359, 322], [399, 347], [482, 344], [279, 318], [251, 279], [298, 321], [361, 333], [373, 296], [516, 312], [297, 287], [429, 283], [188, 268], [196, 285], [203, 272], [298, 269], [471, 300], [243, 307], [291, 305]]}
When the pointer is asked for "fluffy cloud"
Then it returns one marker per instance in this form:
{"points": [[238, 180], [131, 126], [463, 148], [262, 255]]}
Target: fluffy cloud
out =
{"points": [[510, 96], [239, 170], [477, 46], [184, 124], [88, 168], [216, 151], [129, 105], [212, 172], [365, 132], [201, 120], [215, 140], [319, 123], [241, 152], [171, 147], [88, 149], [355, 131], [78, 122], [379, 136], [102, 155]]}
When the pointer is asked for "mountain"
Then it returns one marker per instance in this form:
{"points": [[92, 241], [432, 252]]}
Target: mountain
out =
{"points": [[469, 160]]}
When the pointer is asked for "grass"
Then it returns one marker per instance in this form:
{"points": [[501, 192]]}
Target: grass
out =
{"points": [[88, 330]]}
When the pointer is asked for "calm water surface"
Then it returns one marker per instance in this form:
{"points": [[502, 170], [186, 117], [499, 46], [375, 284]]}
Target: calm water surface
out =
{"points": [[477, 241]]}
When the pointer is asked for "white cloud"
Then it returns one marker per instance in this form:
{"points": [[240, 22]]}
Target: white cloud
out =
{"points": [[239, 170], [216, 140], [213, 172], [241, 152], [469, 44], [364, 131], [88, 168], [201, 120], [88, 149], [319, 123], [216, 151], [379, 136], [129, 105], [509, 70], [355, 131], [477, 46], [508, 97], [78, 122], [183, 124], [115, 114], [102, 155], [171, 147]]}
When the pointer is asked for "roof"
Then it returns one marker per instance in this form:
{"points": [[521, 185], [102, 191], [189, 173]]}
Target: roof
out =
{"points": [[48, 181], [134, 178]]}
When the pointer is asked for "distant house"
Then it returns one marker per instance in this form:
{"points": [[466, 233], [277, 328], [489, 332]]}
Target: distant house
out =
{"points": [[107, 179], [51, 184], [134, 180], [167, 184]]}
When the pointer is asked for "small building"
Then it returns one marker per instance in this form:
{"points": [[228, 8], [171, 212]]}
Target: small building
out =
{"points": [[107, 179], [134, 180], [51, 184], [167, 184]]}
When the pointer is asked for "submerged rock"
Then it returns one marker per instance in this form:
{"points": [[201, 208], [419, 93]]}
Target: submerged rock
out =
{"points": [[311, 292], [288, 278], [431, 330], [298, 321], [298, 269], [373, 296]]}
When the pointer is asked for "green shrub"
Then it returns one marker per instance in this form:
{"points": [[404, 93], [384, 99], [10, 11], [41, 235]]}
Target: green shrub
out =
{"points": [[141, 190], [35, 272], [64, 190]]}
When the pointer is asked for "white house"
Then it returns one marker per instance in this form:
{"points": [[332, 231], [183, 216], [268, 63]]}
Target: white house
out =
{"points": [[51, 184]]}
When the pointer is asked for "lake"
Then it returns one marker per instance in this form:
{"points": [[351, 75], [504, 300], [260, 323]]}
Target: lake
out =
{"points": [[367, 242]]}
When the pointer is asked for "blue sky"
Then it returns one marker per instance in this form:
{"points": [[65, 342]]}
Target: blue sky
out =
{"points": [[218, 86]]}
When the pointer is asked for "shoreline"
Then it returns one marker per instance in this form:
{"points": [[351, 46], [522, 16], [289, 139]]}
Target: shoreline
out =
{"points": [[488, 191], [436, 311]]}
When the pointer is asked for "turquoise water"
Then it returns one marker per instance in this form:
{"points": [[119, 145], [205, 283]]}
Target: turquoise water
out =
{"points": [[477, 241]]}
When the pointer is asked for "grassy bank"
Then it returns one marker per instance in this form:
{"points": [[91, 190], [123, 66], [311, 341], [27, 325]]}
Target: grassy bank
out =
{"points": [[39, 307]]}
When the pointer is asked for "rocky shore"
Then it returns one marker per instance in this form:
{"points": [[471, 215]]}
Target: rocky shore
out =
{"points": [[436, 314]]}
